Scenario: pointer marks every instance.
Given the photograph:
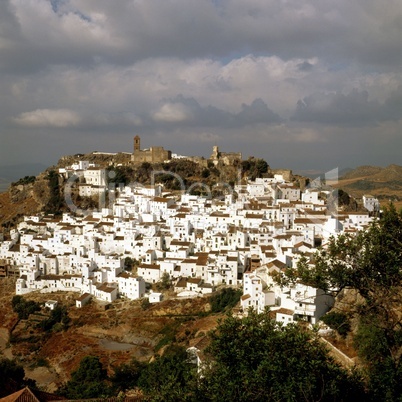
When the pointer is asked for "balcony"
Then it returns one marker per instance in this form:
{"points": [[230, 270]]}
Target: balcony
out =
{"points": [[305, 310]]}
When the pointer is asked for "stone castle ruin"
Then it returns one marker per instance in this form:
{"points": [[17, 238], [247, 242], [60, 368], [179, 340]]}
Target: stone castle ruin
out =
{"points": [[224, 158], [159, 154], [152, 155]]}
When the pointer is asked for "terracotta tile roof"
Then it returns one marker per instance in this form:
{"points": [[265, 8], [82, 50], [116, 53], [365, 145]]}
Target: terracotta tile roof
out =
{"points": [[28, 395]]}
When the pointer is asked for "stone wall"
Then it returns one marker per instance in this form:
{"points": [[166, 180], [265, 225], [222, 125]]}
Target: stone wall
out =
{"points": [[151, 155]]}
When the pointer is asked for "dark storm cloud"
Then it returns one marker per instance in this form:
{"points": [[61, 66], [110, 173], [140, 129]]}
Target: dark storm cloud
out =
{"points": [[352, 109], [90, 32], [88, 74]]}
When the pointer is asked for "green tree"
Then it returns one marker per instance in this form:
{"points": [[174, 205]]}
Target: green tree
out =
{"points": [[126, 375], [55, 202], [338, 321], [120, 175], [225, 299], [57, 316], [130, 263], [169, 377], [88, 381], [261, 166], [24, 307], [369, 264], [165, 283], [10, 371], [256, 359]]}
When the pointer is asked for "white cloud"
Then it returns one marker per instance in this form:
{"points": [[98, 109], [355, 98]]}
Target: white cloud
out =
{"points": [[173, 113], [58, 118]]}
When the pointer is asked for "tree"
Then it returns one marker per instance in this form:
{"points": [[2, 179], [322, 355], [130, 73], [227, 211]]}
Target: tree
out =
{"points": [[169, 377], [261, 166], [165, 283], [10, 371], [225, 299], [55, 202], [24, 307], [120, 175], [338, 321], [368, 263], [130, 263], [256, 359], [57, 316], [88, 381], [126, 375]]}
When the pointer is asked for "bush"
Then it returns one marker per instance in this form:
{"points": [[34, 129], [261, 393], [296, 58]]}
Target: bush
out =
{"points": [[88, 381], [24, 180], [24, 307], [337, 321], [225, 299]]}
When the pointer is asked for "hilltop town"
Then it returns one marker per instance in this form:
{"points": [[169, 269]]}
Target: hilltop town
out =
{"points": [[145, 234]]}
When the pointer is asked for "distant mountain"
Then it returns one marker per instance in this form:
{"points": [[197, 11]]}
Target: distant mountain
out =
{"points": [[385, 183], [343, 172], [11, 173], [361, 171], [314, 174]]}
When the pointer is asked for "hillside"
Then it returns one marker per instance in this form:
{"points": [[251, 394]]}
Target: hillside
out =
{"points": [[45, 192], [115, 332], [383, 183]]}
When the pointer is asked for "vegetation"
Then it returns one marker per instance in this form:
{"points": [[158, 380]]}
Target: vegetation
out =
{"points": [[225, 299], [120, 175], [24, 307], [126, 376], [57, 320], [88, 381], [130, 263], [145, 303], [10, 371], [25, 180], [55, 202], [254, 167], [338, 321], [169, 334], [259, 360], [255, 358], [370, 264], [342, 196], [170, 377], [165, 283]]}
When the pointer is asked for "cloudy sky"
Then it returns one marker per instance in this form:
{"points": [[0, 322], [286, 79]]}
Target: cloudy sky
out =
{"points": [[302, 84]]}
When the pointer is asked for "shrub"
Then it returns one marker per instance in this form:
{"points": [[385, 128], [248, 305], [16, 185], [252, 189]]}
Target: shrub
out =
{"points": [[225, 299], [338, 321]]}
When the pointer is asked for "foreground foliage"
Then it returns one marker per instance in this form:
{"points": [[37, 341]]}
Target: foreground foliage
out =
{"points": [[249, 359], [370, 264], [88, 381], [256, 359], [10, 372]]}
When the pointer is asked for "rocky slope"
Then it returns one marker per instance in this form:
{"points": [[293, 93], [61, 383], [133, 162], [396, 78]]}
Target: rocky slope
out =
{"points": [[116, 333]]}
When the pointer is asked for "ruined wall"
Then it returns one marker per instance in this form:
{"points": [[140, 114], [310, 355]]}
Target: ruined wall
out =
{"points": [[152, 155]]}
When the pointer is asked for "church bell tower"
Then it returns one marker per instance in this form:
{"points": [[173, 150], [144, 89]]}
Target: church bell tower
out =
{"points": [[137, 145]]}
